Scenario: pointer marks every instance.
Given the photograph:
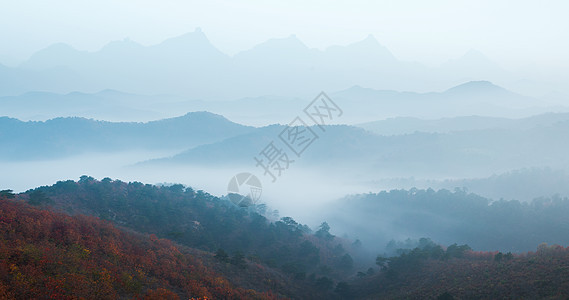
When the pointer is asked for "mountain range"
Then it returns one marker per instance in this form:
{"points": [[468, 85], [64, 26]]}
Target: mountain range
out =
{"points": [[462, 146], [190, 66], [62, 137], [467, 153], [407, 125], [359, 104]]}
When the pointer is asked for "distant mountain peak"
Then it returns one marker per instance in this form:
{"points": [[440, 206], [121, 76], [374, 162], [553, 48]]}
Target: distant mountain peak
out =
{"points": [[196, 35], [58, 54], [200, 116], [202, 113], [369, 41], [189, 46], [292, 41], [472, 59], [289, 46], [197, 38], [475, 55], [125, 44], [112, 92], [54, 49], [368, 46], [58, 47], [480, 86], [370, 38], [357, 87]]}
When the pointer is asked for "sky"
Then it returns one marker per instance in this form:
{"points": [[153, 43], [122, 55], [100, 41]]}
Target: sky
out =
{"points": [[519, 35]]}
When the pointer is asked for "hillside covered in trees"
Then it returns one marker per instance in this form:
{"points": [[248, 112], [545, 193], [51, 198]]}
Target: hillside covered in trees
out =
{"points": [[111, 239], [47, 255], [452, 217], [305, 262], [430, 272]]}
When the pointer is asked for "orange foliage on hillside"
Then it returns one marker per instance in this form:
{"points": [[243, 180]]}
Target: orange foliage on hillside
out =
{"points": [[54, 256]]}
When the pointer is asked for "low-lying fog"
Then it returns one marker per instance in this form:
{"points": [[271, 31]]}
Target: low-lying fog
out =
{"points": [[309, 195]]}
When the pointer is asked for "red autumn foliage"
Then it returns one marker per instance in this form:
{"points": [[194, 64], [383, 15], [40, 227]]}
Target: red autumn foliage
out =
{"points": [[50, 255]]}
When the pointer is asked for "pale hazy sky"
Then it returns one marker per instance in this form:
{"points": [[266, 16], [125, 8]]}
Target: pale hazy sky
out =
{"points": [[516, 34]]}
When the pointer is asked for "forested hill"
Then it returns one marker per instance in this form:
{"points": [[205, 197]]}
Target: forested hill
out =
{"points": [[47, 255], [452, 217], [314, 260], [431, 272], [172, 242]]}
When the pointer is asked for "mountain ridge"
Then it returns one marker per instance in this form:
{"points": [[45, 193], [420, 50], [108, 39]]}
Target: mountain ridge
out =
{"points": [[190, 65], [64, 136]]}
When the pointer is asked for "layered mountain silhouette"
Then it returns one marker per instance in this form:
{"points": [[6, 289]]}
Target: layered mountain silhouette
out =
{"points": [[439, 152], [191, 66], [460, 146], [360, 105], [481, 98], [63, 137], [406, 125]]}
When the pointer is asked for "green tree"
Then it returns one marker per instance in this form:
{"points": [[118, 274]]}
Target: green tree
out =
{"points": [[238, 259], [8, 194], [289, 222], [457, 251], [346, 263], [38, 197], [499, 256], [381, 261], [324, 231]]}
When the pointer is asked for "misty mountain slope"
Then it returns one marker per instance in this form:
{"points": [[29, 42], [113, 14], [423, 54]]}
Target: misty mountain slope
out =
{"points": [[68, 136], [55, 55], [405, 125], [336, 143], [457, 154], [15, 81], [117, 106], [476, 62], [359, 105], [523, 184], [450, 217], [481, 98], [232, 150], [368, 49], [105, 105]]}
